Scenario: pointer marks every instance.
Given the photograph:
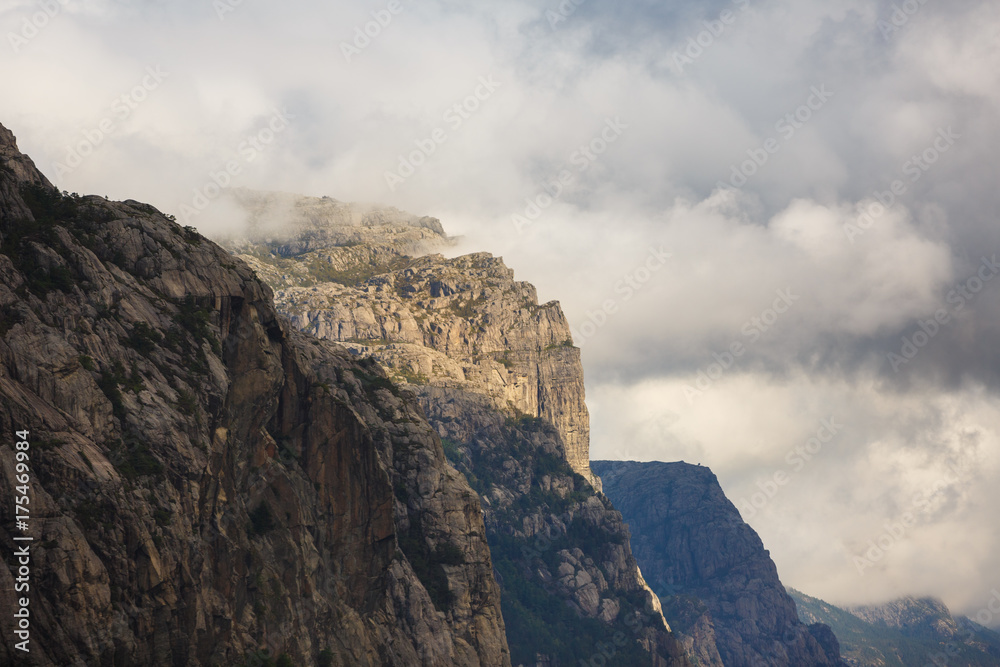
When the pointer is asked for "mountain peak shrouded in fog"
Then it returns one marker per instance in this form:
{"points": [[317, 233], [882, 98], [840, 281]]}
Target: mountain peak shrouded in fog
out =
{"points": [[854, 147], [226, 488], [908, 631]]}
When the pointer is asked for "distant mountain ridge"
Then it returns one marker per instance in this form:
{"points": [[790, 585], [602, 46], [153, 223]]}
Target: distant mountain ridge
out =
{"points": [[903, 633], [718, 585]]}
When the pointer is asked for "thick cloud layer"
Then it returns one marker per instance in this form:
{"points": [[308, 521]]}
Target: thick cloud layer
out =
{"points": [[758, 215]]}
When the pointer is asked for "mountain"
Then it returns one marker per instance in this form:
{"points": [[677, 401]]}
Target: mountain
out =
{"points": [[908, 631], [326, 443], [353, 276], [502, 384], [718, 585], [207, 484]]}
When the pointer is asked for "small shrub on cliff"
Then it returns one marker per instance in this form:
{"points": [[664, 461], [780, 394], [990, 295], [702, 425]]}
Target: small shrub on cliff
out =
{"points": [[143, 338], [197, 321], [412, 377], [449, 554], [192, 236], [261, 520], [372, 383], [136, 460], [8, 318], [186, 402], [108, 384], [451, 450], [50, 206], [194, 321], [429, 564], [133, 382], [42, 280]]}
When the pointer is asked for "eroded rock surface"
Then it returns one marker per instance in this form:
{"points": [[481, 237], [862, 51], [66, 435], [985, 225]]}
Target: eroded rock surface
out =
{"points": [[502, 384], [718, 585], [209, 482], [462, 322]]}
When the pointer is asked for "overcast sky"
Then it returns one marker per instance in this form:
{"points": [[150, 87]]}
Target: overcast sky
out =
{"points": [[751, 141]]}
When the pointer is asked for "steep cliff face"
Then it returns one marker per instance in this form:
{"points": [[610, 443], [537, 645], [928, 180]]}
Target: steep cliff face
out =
{"points": [[502, 384], [206, 481], [572, 591], [715, 579], [463, 322]]}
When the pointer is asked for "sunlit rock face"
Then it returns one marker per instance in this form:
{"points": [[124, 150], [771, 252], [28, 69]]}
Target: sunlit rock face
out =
{"points": [[208, 483]]}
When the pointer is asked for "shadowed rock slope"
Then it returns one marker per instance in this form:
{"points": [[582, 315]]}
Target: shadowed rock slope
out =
{"points": [[502, 384], [463, 323], [207, 482], [718, 585]]}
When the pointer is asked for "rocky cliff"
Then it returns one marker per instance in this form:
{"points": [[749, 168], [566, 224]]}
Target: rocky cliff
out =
{"points": [[208, 483], [908, 631], [718, 585], [501, 382], [463, 322], [572, 591]]}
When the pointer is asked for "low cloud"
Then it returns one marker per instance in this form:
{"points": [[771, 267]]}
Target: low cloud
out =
{"points": [[859, 296]]}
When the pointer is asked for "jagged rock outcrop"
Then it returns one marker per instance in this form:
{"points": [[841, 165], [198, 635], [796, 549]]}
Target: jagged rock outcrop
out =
{"points": [[462, 322], [502, 384], [572, 591], [208, 482], [710, 568], [20, 169], [908, 631]]}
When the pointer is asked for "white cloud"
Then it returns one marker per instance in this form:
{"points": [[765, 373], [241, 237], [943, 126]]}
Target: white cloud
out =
{"points": [[932, 454], [655, 186]]}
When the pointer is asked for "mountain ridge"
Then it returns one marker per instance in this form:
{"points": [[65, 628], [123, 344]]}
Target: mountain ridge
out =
{"points": [[719, 586], [500, 380], [902, 632], [176, 526]]}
